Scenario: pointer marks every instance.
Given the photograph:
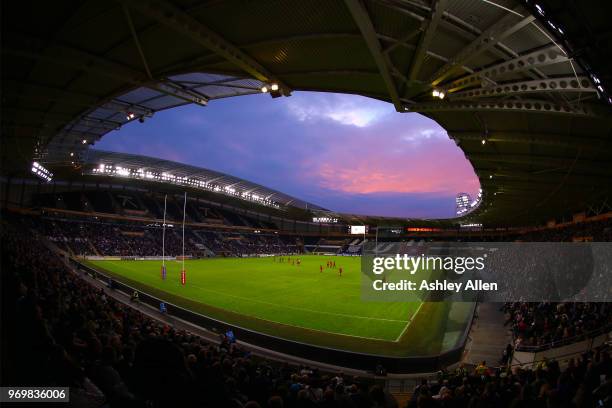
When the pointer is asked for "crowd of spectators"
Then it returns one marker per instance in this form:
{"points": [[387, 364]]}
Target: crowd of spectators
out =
{"points": [[112, 239], [62, 331], [242, 244], [83, 238], [586, 382], [596, 231], [58, 330], [547, 323]]}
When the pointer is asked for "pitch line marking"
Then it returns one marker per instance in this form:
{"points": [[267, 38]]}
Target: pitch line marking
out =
{"points": [[298, 308], [285, 324], [304, 310], [409, 322]]}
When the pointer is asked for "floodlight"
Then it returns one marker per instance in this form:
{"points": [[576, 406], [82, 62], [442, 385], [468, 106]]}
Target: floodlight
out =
{"points": [[441, 95], [274, 87], [483, 141], [435, 93], [264, 89], [41, 172], [84, 141], [540, 9]]}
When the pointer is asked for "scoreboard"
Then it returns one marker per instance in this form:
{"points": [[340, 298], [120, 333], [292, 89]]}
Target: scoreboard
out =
{"points": [[358, 229]]}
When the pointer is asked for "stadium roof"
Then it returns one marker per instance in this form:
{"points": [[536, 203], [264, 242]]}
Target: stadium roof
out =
{"points": [[138, 167], [525, 86]]}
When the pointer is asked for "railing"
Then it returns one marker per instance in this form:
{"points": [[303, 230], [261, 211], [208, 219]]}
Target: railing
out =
{"points": [[564, 342]]}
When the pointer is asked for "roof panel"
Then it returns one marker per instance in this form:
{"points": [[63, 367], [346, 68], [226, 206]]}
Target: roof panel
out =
{"points": [[139, 95], [163, 102], [526, 39], [479, 14]]}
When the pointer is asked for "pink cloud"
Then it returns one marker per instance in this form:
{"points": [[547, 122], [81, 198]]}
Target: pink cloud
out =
{"points": [[395, 165]]}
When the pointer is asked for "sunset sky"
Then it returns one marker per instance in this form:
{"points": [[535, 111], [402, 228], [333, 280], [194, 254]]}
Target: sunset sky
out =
{"points": [[346, 153]]}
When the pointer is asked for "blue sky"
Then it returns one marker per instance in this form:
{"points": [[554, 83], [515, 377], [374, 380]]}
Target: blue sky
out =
{"points": [[344, 152]]}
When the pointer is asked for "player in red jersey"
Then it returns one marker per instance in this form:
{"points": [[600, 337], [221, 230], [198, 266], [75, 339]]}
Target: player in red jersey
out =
{"points": [[320, 268], [340, 271]]}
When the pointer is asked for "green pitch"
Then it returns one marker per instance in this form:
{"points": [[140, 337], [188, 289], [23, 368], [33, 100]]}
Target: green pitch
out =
{"points": [[295, 302]]}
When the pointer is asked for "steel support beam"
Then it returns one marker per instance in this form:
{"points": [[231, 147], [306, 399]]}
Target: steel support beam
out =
{"points": [[548, 86], [303, 37], [403, 41], [537, 160], [541, 139], [425, 40], [171, 88], [488, 39], [173, 17], [504, 178], [85, 61], [546, 56], [525, 105], [362, 19]]}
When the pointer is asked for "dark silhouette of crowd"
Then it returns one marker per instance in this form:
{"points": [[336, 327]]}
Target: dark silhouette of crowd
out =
{"points": [[86, 238], [61, 331], [585, 382], [547, 323], [596, 231]]}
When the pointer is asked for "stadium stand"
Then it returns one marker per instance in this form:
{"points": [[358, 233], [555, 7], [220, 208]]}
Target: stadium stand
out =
{"points": [[66, 332], [521, 87], [102, 238], [63, 331], [548, 324]]}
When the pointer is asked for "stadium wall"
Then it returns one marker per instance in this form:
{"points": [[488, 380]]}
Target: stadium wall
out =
{"points": [[341, 358]]}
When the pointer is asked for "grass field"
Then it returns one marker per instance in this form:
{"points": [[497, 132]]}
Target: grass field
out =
{"points": [[297, 302]]}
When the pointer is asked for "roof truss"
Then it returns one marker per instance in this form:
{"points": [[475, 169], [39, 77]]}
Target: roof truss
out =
{"points": [[362, 19]]}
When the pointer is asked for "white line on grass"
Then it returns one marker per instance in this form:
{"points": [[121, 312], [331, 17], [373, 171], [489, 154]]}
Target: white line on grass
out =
{"points": [[300, 309], [409, 322]]}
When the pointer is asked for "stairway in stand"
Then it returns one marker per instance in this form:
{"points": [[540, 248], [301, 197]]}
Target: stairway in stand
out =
{"points": [[488, 336]]}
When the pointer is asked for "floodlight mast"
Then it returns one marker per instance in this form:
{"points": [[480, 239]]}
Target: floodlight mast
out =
{"points": [[375, 243], [164, 234], [184, 209]]}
